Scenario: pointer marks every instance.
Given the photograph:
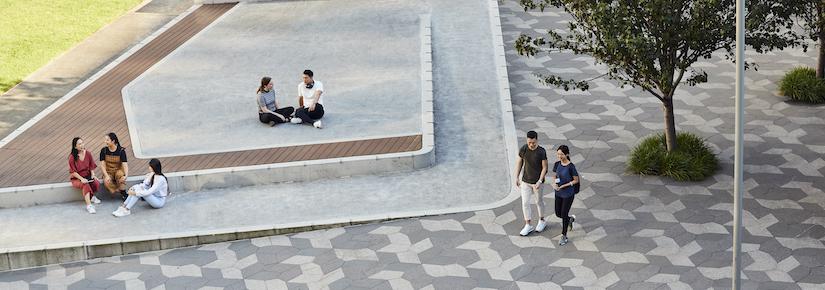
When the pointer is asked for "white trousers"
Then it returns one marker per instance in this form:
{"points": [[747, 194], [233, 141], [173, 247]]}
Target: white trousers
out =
{"points": [[528, 194]]}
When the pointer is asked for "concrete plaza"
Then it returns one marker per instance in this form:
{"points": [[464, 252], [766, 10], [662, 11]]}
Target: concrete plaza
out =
{"points": [[632, 232]]}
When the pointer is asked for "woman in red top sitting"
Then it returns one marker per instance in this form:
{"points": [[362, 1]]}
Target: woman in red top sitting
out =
{"points": [[82, 171]]}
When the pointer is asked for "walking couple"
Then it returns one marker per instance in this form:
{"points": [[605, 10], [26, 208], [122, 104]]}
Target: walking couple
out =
{"points": [[532, 158]]}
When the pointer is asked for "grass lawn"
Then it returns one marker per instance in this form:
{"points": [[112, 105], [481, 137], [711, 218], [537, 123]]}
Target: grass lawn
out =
{"points": [[33, 32]]}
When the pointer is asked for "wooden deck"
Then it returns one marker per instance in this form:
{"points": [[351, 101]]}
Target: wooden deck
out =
{"points": [[39, 155]]}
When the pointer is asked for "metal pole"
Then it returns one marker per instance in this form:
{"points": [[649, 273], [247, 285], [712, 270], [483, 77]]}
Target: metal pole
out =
{"points": [[738, 154]]}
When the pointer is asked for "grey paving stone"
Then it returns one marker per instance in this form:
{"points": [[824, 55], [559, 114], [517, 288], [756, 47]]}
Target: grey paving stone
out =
{"points": [[769, 285], [187, 256], [643, 286], [103, 283], [357, 270], [817, 276], [296, 286], [27, 275], [757, 276], [80, 285], [185, 282], [621, 285]]}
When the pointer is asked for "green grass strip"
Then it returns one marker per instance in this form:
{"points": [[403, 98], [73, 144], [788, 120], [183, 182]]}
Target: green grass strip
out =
{"points": [[33, 32]]}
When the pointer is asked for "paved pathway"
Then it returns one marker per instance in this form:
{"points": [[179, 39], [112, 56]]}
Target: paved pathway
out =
{"points": [[635, 233]]}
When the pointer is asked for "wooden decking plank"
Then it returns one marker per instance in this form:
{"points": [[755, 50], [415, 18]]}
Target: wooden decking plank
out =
{"points": [[354, 148], [416, 144], [306, 151], [292, 154], [283, 153], [388, 144], [247, 158], [339, 148], [363, 148], [239, 159], [321, 151], [349, 148], [403, 143]]}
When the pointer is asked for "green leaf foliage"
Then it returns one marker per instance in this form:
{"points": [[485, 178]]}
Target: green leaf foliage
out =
{"points": [[652, 44], [693, 160], [801, 84]]}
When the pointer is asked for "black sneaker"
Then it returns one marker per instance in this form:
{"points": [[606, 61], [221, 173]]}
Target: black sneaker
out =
{"points": [[123, 195]]}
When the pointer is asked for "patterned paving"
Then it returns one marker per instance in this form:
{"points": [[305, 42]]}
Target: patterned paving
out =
{"points": [[634, 233]]}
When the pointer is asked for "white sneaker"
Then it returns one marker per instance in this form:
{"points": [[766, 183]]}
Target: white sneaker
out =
{"points": [[526, 230], [540, 227], [91, 209], [318, 124], [121, 212], [95, 200], [296, 120]]}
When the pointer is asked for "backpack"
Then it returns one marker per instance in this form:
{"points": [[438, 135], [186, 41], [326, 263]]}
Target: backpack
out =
{"points": [[575, 186]]}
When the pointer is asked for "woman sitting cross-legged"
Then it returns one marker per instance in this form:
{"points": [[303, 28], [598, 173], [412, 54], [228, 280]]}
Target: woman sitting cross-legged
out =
{"points": [[153, 190], [268, 110]]}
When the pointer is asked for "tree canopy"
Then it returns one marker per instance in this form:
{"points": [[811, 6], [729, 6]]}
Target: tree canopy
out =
{"points": [[652, 44]]}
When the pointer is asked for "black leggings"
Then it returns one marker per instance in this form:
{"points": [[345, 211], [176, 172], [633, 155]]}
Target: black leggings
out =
{"points": [[563, 212], [269, 117], [308, 116]]}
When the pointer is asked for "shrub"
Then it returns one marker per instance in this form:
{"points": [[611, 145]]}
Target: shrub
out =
{"points": [[691, 161], [800, 84]]}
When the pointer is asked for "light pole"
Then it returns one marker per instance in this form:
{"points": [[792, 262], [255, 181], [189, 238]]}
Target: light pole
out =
{"points": [[738, 184]]}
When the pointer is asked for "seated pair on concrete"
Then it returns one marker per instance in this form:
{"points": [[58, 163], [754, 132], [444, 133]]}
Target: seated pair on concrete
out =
{"points": [[310, 105], [114, 168]]}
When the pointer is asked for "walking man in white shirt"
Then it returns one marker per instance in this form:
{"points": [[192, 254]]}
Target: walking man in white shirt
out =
{"points": [[311, 108]]}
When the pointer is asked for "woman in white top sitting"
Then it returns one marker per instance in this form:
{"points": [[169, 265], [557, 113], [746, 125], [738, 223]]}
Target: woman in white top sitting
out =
{"points": [[153, 190]]}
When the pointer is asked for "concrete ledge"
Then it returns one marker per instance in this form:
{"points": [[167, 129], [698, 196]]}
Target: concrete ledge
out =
{"points": [[4, 261], [174, 243], [26, 258], [139, 246], [103, 248], [57, 255]]}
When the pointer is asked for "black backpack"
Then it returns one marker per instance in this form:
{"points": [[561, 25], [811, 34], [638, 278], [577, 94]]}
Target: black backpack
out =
{"points": [[576, 186]]}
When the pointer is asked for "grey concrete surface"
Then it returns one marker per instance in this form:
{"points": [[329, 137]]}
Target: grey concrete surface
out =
{"points": [[630, 232], [471, 166], [61, 75], [201, 98]]}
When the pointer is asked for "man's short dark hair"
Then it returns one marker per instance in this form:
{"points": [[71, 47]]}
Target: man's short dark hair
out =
{"points": [[532, 135], [308, 73]]}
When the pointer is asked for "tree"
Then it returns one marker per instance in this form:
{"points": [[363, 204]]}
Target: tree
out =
{"points": [[811, 16], [652, 44]]}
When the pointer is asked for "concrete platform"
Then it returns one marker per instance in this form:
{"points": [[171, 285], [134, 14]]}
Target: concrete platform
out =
{"points": [[200, 98], [413, 114], [473, 159]]}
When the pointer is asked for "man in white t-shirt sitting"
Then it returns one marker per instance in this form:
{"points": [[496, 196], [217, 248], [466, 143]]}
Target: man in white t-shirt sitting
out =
{"points": [[311, 108]]}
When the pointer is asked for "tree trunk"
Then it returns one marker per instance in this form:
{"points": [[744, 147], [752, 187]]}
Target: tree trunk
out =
{"points": [[820, 65], [670, 124]]}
